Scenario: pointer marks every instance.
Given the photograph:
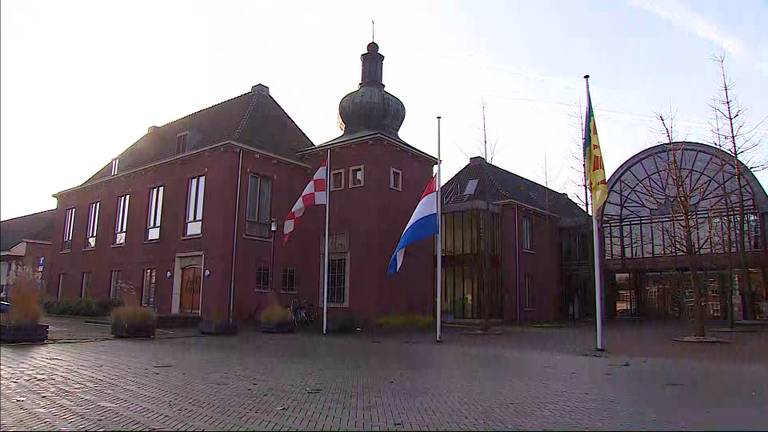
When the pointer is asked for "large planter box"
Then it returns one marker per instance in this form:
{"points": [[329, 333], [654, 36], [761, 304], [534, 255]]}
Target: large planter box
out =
{"points": [[123, 330], [24, 333], [211, 327], [284, 327]]}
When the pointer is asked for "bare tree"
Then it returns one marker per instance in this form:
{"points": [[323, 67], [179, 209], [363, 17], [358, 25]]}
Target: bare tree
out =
{"points": [[681, 201], [732, 135]]}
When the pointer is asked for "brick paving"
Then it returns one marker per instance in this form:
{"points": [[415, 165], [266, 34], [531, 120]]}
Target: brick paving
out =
{"points": [[525, 378]]}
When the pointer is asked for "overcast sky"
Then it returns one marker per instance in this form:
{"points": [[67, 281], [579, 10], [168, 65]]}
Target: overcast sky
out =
{"points": [[81, 81]]}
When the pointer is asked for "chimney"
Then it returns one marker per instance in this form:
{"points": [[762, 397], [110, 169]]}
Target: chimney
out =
{"points": [[476, 160], [152, 129], [260, 88]]}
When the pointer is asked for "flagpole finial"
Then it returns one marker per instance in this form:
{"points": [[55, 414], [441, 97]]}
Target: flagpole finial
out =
{"points": [[586, 77], [439, 117]]}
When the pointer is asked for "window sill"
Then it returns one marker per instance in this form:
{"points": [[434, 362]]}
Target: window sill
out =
{"points": [[294, 292], [530, 251], [253, 237], [396, 189], [337, 305], [191, 236], [151, 241], [262, 290], [65, 251], [118, 245], [88, 249], [356, 186]]}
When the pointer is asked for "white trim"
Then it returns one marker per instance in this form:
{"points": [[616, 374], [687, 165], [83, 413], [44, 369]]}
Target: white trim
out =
{"points": [[352, 177], [362, 139], [343, 177], [391, 178]]}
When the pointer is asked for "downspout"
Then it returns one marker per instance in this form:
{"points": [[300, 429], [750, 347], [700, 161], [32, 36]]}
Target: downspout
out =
{"points": [[234, 239], [517, 262]]}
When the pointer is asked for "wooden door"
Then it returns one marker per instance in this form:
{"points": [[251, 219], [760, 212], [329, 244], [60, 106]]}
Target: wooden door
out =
{"points": [[190, 290]]}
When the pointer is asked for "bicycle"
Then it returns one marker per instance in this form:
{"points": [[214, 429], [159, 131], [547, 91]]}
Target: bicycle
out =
{"points": [[302, 313]]}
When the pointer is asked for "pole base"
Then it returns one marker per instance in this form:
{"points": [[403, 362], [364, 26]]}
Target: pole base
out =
{"points": [[600, 349]]}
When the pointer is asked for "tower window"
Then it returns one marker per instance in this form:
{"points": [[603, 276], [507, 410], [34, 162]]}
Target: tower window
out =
{"points": [[115, 165], [181, 143], [395, 179], [337, 179], [356, 176]]}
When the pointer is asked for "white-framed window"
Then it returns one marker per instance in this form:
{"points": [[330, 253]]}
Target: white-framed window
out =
{"points": [[85, 284], [356, 176], [195, 193], [114, 284], [262, 278], [529, 292], [93, 224], [338, 279], [60, 287], [395, 179], [121, 219], [69, 227], [181, 142], [288, 280], [257, 212], [148, 287], [527, 234], [115, 166], [154, 212], [337, 179]]}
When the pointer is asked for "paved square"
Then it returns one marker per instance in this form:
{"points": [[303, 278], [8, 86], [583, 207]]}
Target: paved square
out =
{"points": [[524, 378]]}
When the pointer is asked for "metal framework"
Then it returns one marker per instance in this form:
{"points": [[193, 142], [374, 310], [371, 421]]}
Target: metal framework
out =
{"points": [[639, 218]]}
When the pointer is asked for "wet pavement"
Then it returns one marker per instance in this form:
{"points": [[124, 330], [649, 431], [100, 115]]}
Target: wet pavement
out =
{"points": [[524, 377]]}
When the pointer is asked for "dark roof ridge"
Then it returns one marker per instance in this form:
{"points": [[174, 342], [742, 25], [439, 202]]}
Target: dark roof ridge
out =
{"points": [[28, 215], [203, 109], [524, 178]]}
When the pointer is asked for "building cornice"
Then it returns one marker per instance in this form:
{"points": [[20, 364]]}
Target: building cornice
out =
{"points": [[182, 156]]}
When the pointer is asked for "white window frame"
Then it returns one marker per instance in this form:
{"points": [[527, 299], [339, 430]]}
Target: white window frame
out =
{"points": [[527, 234], [114, 284], [83, 288], [121, 219], [149, 287], [392, 185], [60, 287], [530, 298], [69, 228], [193, 225], [352, 176], [93, 224], [343, 177], [115, 166], [336, 255], [154, 212], [254, 199]]}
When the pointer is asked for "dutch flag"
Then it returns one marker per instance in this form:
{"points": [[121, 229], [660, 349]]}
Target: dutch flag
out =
{"points": [[423, 224]]}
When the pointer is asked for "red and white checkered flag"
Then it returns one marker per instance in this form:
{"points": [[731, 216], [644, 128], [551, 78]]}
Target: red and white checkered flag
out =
{"points": [[314, 194]]}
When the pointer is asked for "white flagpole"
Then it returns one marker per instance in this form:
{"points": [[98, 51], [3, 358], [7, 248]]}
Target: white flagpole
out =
{"points": [[438, 245], [327, 213], [596, 250]]}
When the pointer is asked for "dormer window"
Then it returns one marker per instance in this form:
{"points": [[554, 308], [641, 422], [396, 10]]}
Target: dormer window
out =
{"points": [[115, 165], [181, 143]]}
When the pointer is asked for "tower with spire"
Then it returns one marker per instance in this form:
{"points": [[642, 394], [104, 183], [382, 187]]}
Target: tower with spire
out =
{"points": [[376, 179]]}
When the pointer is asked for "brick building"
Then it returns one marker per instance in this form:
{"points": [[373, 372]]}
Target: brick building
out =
{"points": [[533, 241], [185, 219], [25, 242]]}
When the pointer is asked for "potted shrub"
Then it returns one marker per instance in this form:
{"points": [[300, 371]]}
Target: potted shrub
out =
{"points": [[21, 322], [133, 321], [217, 324], [275, 318]]}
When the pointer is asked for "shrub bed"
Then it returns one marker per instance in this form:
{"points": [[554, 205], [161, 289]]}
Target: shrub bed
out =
{"points": [[81, 307]]}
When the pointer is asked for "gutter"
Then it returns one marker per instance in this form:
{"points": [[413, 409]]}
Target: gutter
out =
{"points": [[234, 238]]}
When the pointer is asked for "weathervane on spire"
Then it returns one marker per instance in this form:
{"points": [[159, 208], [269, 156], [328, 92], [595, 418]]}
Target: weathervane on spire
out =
{"points": [[373, 31]]}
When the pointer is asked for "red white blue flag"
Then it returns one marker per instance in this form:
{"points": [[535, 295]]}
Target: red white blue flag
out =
{"points": [[423, 224]]}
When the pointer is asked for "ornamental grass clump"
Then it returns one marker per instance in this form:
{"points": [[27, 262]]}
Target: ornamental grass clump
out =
{"points": [[134, 316], [25, 299], [274, 313]]}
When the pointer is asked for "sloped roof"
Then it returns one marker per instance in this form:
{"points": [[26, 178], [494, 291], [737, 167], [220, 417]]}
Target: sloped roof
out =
{"points": [[254, 119], [36, 226], [503, 185]]}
